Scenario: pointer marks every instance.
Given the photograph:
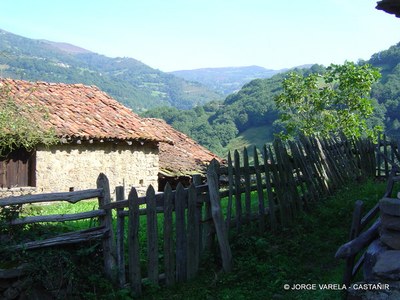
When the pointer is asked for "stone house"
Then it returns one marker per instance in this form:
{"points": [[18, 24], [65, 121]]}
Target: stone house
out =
{"points": [[97, 134]]}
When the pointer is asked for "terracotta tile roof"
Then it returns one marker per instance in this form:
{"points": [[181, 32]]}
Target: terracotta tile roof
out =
{"points": [[183, 156], [77, 111]]}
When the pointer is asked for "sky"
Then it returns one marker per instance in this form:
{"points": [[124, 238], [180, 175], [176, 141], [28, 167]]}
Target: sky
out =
{"points": [[188, 34]]}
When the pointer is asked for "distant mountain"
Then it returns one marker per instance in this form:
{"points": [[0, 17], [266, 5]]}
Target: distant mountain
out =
{"points": [[68, 48], [226, 80], [126, 79]]}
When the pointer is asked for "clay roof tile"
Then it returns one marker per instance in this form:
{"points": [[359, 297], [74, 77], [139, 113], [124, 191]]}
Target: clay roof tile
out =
{"points": [[80, 111]]}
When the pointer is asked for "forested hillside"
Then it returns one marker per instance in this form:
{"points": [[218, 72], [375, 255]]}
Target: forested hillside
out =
{"points": [[387, 90], [250, 113], [128, 80]]}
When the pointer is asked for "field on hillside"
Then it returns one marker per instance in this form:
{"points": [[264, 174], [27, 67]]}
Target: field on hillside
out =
{"points": [[257, 136]]}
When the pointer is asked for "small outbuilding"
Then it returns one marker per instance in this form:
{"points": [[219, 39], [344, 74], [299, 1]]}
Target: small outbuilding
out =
{"points": [[96, 134]]}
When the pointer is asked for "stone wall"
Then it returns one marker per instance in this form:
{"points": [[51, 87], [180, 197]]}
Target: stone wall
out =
{"points": [[18, 191], [76, 166]]}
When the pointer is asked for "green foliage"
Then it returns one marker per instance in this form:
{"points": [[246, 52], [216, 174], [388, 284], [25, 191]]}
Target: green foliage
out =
{"points": [[21, 125], [387, 90], [329, 103]]}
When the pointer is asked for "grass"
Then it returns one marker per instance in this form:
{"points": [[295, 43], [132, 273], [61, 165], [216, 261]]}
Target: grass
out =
{"points": [[263, 263], [254, 136]]}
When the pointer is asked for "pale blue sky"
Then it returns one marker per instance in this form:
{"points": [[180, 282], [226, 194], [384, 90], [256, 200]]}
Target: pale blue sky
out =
{"points": [[187, 34]]}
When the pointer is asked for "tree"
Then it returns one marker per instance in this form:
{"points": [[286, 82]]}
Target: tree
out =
{"points": [[21, 126], [323, 104]]}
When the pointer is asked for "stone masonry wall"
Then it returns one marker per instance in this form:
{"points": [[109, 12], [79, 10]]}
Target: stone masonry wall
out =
{"points": [[62, 167]]}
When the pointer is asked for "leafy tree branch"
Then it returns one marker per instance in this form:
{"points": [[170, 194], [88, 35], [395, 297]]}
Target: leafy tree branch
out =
{"points": [[322, 104]]}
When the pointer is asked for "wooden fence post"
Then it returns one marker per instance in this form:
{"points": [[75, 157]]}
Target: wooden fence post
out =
{"points": [[152, 236], [354, 232], [135, 277], [220, 226], [106, 221], [247, 192], [270, 194], [169, 259], [181, 238], [193, 234], [196, 181], [231, 190], [238, 195], [260, 192], [119, 196]]}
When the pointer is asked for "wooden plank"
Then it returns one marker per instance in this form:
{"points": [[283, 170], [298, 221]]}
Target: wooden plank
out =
{"points": [[247, 193], [135, 276], [270, 194], [193, 234], [152, 236], [71, 197], [66, 238], [220, 226], [260, 192], [313, 164], [181, 239], [295, 200], [58, 218], [385, 152], [297, 167], [199, 209], [378, 157], [355, 245], [106, 221], [354, 232], [120, 234], [169, 259], [280, 187], [310, 193], [238, 196], [231, 191]]}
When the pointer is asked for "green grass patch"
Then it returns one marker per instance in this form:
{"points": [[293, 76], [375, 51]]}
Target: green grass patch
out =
{"points": [[253, 136]]}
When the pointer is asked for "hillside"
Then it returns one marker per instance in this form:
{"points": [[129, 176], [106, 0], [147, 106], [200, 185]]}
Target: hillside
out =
{"points": [[126, 79], [249, 115], [226, 80]]}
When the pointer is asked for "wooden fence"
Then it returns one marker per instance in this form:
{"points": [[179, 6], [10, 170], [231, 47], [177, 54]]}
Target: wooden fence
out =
{"points": [[103, 231], [167, 233], [388, 155], [288, 177], [177, 227]]}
